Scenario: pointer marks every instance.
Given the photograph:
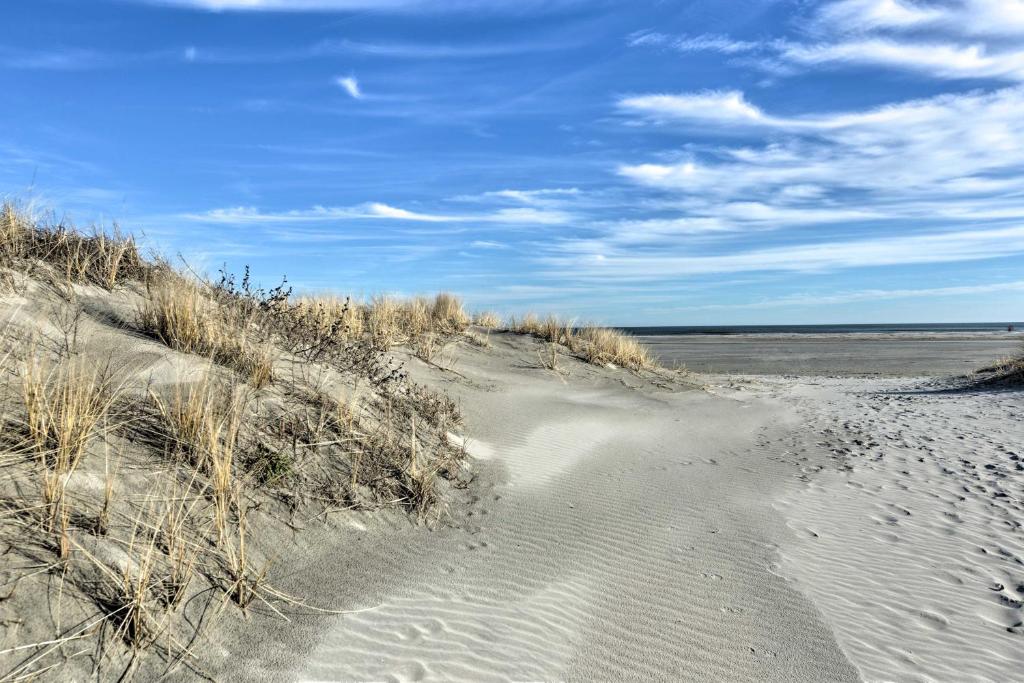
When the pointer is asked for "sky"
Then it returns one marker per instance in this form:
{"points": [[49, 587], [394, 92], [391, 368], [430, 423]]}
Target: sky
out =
{"points": [[650, 162]]}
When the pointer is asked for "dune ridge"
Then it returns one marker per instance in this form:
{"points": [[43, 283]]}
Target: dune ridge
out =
{"points": [[635, 553]]}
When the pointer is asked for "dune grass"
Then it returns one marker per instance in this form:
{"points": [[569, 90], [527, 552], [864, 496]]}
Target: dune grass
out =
{"points": [[100, 258], [135, 498], [178, 313], [487, 320], [1007, 372], [597, 345], [64, 405], [391, 321]]}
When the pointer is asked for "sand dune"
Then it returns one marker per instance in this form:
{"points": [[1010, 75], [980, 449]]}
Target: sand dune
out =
{"points": [[625, 534], [609, 525]]}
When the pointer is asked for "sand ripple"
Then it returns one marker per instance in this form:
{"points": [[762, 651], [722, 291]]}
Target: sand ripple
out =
{"points": [[914, 549]]}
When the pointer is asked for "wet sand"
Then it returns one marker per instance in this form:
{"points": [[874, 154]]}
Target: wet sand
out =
{"points": [[887, 355]]}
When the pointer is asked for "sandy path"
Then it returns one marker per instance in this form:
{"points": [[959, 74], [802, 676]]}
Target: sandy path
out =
{"points": [[628, 535], [912, 543]]}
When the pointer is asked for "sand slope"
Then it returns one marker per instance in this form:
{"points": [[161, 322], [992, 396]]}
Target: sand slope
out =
{"points": [[620, 531], [911, 543]]}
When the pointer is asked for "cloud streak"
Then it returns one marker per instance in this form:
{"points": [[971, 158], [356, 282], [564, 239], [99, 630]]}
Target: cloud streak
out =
{"points": [[244, 215], [597, 260], [937, 59], [820, 299]]}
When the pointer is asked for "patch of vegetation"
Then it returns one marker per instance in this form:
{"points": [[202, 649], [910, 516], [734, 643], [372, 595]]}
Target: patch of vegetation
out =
{"points": [[130, 492], [596, 345], [1008, 372]]}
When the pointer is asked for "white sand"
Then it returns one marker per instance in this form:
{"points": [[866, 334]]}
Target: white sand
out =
{"points": [[619, 530], [628, 536], [915, 554]]}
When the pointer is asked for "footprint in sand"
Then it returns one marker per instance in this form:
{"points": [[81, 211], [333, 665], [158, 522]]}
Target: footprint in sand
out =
{"points": [[409, 672], [932, 619]]}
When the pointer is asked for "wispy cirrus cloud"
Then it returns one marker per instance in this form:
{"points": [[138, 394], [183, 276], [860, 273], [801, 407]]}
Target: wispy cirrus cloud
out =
{"points": [[65, 59], [934, 163], [706, 42], [730, 217], [438, 50], [535, 197], [959, 39], [975, 18], [845, 297], [244, 215], [600, 260], [918, 145], [937, 59]]}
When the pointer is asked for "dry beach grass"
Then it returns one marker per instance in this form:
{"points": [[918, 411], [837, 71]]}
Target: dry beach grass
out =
{"points": [[597, 345], [164, 433], [131, 474], [1007, 372]]}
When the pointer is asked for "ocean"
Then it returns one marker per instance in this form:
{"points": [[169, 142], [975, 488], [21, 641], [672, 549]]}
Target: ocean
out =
{"points": [[680, 330]]}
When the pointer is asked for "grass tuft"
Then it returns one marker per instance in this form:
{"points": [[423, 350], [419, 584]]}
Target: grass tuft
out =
{"points": [[487, 320], [100, 258], [179, 314], [596, 345]]}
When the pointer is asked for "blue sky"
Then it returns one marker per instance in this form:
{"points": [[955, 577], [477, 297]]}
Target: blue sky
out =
{"points": [[643, 162]]}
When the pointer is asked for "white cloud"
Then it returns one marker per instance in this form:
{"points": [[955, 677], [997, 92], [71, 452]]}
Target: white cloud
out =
{"points": [[703, 43], [379, 210], [861, 15], [941, 60], [953, 39], [724, 218], [350, 85], [724, 106], [935, 38], [71, 59], [802, 192], [438, 50], [601, 260], [994, 18], [921, 146], [821, 299], [243, 215], [534, 196]]}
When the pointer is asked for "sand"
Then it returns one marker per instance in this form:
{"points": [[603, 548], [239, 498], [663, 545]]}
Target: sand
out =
{"points": [[617, 530], [911, 545], [657, 527], [913, 354], [759, 528]]}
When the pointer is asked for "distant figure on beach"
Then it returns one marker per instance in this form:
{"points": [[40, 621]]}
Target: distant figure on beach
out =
{"points": [[1009, 328]]}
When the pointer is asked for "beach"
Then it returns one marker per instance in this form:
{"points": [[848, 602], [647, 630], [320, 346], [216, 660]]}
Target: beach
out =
{"points": [[907, 354], [501, 341], [206, 481], [721, 527]]}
